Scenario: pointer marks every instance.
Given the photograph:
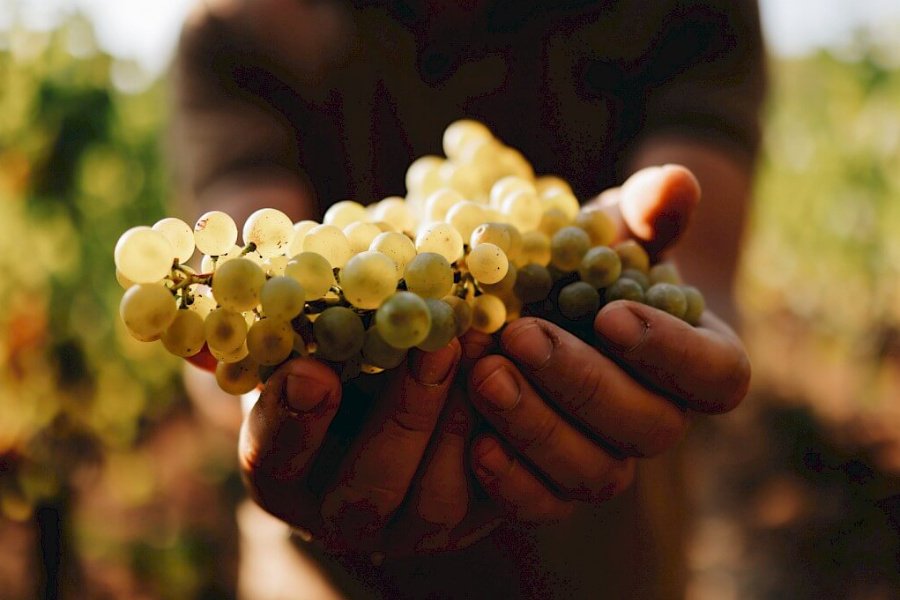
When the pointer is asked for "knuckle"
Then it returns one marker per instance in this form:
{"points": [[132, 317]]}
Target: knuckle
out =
{"points": [[588, 389]]}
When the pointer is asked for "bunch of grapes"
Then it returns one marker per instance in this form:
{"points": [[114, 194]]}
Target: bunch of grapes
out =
{"points": [[477, 242]]}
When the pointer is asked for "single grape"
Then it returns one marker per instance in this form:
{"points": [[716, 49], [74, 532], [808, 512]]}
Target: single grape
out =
{"points": [[491, 233], [270, 341], [440, 238], [439, 203], [546, 184], [143, 255], [301, 228], [339, 334], [552, 221], [124, 282], [633, 256], [274, 266], [443, 325], [533, 283], [507, 186], [147, 309], [567, 247], [638, 276], [600, 267], [330, 242], [282, 298], [561, 200], [488, 313], [429, 275], [215, 233], [667, 297], [360, 235], [184, 336], [180, 235], [487, 263], [239, 377], [313, 272], [598, 225], [515, 241], [232, 356], [462, 312], [664, 273], [394, 211], [270, 230], [368, 278], [237, 284], [696, 304], [379, 353], [625, 288], [523, 209], [202, 304], [209, 263], [396, 246], [403, 320], [423, 175], [578, 300], [465, 179], [341, 214], [504, 287], [225, 330], [461, 133], [465, 217], [535, 249]]}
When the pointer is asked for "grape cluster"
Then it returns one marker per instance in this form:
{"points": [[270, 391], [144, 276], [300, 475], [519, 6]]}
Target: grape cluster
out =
{"points": [[478, 241]]}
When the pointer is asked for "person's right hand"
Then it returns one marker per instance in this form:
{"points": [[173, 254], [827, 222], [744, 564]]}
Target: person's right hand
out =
{"points": [[401, 485]]}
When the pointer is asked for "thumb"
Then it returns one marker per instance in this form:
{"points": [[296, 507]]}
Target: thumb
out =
{"points": [[656, 204]]}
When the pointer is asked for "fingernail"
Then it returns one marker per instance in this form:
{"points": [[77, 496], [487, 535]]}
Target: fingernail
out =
{"points": [[499, 389], [303, 394], [531, 346], [490, 460], [622, 329], [432, 368]]}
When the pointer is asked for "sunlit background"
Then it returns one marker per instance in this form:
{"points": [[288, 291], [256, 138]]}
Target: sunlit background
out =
{"points": [[102, 457]]}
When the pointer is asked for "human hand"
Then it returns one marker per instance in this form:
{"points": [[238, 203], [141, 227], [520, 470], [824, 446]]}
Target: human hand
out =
{"points": [[570, 419], [398, 483]]}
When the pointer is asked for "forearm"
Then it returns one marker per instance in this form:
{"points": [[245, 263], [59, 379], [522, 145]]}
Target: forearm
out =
{"points": [[708, 253]]}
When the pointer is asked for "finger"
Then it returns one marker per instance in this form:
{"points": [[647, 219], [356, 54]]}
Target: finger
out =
{"points": [[475, 345], [204, 360], [376, 473], [578, 467], [282, 434], [593, 389], [513, 486], [657, 202], [707, 366]]}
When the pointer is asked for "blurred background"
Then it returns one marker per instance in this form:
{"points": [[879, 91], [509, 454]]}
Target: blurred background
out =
{"points": [[109, 486]]}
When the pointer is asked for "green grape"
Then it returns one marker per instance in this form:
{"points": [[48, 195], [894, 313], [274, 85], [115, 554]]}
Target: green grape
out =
{"points": [[403, 320], [368, 278], [215, 233], [379, 353], [460, 133], [124, 282], [360, 235], [443, 325], [547, 184], [440, 238], [184, 336], [237, 283], [143, 255], [488, 313], [270, 230], [696, 304], [491, 233], [633, 256], [466, 216], [202, 304], [578, 300], [667, 297], [504, 287], [270, 341], [637, 276], [274, 266], [395, 212], [523, 209], [232, 356], [340, 214], [487, 263], [423, 175], [560, 200], [225, 330], [330, 242], [429, 275], [282, 298], [301, 228], [313, 272], [600, 267], [147, 309], [567, 248], [180, 235], [238, 377], [462, 312], [533, 283], [598, 225], [535, 249], [339, 333], [552, 221], [625, 288], [397, 247], [507, 186], [664, 273], [515, 241]]}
